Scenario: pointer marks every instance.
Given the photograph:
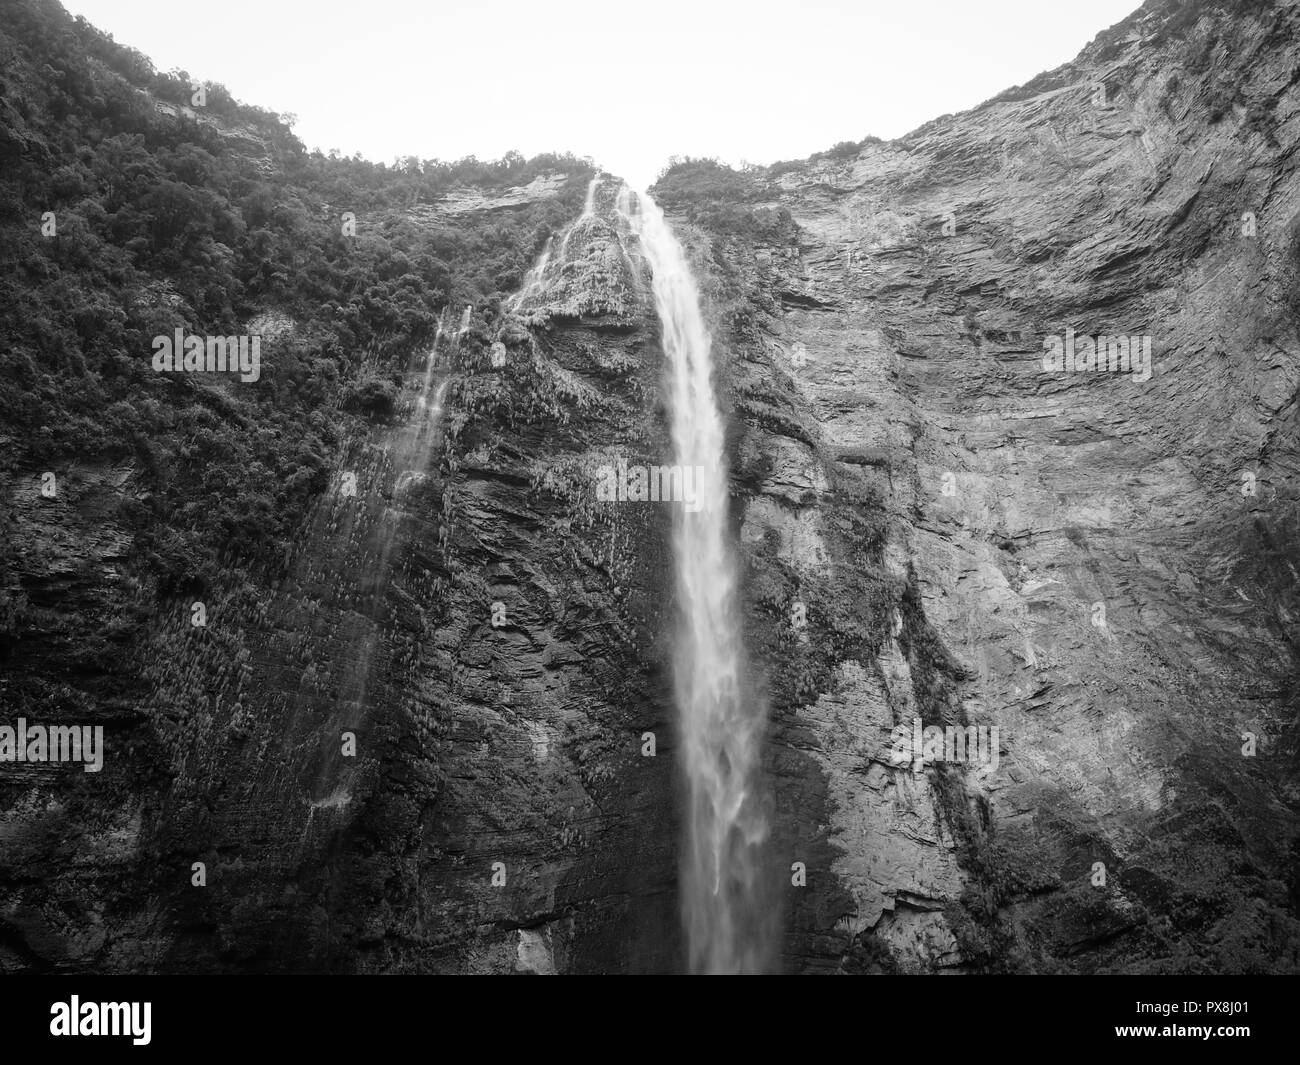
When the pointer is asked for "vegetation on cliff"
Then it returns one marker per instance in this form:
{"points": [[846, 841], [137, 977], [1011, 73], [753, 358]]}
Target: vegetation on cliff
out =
{"points": [[128, 209]]}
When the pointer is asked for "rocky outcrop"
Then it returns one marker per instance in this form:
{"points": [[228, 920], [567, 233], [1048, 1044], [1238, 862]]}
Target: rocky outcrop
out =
{"points": [[466, 200]]}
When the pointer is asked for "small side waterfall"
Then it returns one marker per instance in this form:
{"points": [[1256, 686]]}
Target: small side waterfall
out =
{"points": [[726, 920], [532, 285], [412, 448], [578, 272], [341, 639], [357, 559], [588, 208]]}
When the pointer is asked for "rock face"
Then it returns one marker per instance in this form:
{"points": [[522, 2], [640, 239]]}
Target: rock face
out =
{"points": [[550, 664], [1100, 565], [444, 740], [441, 743], [467, 200]]}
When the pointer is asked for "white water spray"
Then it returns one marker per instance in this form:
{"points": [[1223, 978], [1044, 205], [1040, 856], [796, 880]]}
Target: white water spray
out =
{"points": [[588, 208], [725, 919], [430, 363], [412, 447], [534, 279]]}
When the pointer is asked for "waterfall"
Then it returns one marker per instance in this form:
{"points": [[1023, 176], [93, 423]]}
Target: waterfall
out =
{"points": [[724, 916], [533, 280], [544, 285], [430, 364], [412, 446], [352, 566], [588, 209]]}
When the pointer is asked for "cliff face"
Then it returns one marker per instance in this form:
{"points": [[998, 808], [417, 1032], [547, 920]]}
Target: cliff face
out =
{"points": [[551, 662], [1101, 566], [433, 731]]}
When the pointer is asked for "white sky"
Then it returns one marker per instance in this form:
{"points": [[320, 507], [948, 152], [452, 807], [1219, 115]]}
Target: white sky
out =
{"points": [[629, 85]]}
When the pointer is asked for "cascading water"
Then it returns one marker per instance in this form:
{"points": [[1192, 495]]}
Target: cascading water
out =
{"points": [[335, 650], [412, 450], [588, 208], [726, 920], [533, 280], [560, 281]]}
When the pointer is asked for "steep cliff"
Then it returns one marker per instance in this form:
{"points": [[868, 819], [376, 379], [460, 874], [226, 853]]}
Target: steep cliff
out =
{"points": [[1101, 566], [427, 723]]}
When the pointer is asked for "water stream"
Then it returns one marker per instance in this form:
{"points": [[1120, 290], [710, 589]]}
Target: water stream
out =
{"points": [[724, 914]]}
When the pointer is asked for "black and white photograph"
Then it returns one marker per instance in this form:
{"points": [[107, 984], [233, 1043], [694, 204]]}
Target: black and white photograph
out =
{"points": [[728, 487]]}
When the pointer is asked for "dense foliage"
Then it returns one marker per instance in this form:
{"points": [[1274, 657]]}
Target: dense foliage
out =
{"points": [[129, 209], [722, 198]]}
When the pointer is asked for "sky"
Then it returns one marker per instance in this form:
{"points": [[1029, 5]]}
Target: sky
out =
{"points": [[627, 84]]}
